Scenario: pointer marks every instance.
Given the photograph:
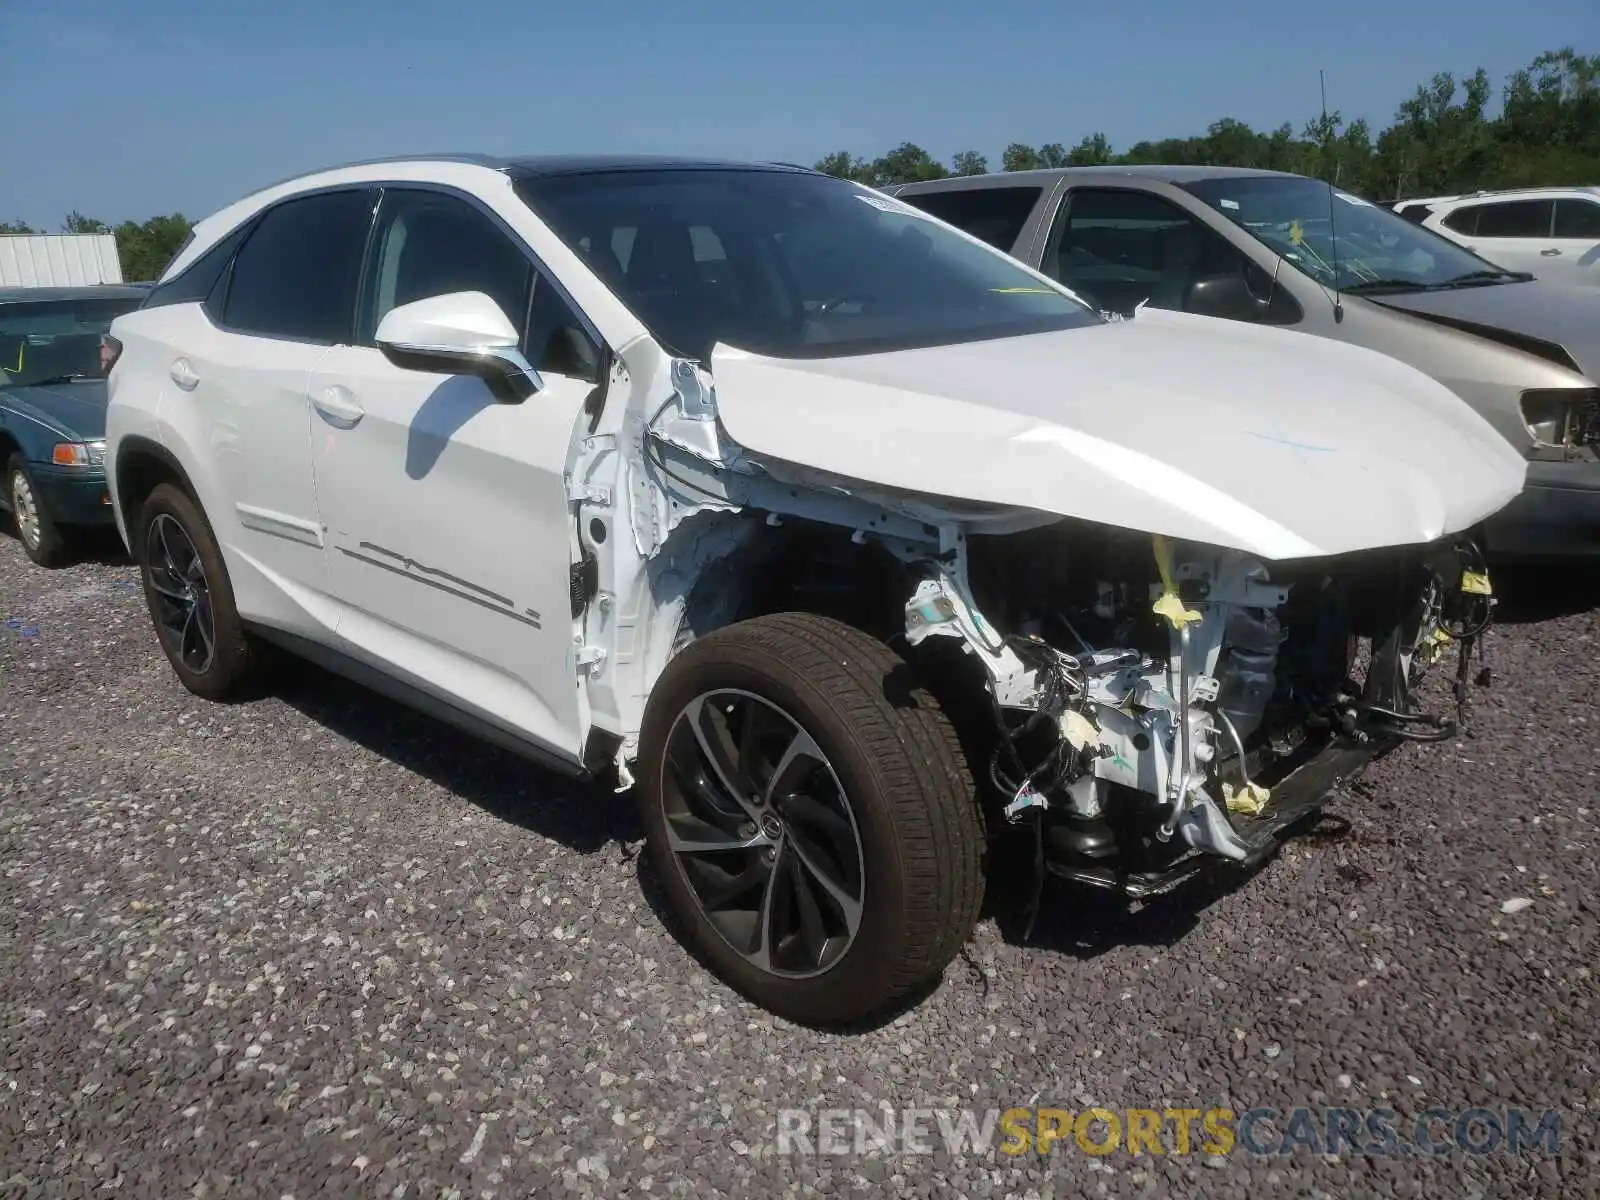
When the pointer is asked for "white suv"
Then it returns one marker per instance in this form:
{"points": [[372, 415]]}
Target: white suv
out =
{"points": [[1552, 234], [836, 528]]}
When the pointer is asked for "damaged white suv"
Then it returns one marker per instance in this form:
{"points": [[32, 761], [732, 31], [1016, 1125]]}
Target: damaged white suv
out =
{"points": [[852, 540]]}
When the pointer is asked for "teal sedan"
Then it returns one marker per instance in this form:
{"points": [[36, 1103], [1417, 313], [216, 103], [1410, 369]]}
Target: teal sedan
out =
{"points": [[53, 412]]}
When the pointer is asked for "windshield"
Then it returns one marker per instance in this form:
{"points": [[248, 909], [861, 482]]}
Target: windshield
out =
{"points": [[44, 341], [1375, 249], [789, 264]]}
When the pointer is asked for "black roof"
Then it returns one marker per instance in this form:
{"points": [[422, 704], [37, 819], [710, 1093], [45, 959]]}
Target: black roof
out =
{"points": [[548, 165], [523, 166], [87, 291]]}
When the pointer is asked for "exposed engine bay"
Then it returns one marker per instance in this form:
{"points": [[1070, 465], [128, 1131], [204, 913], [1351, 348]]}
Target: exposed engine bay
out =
{"points": [[1142, 704], [1159, 702]]}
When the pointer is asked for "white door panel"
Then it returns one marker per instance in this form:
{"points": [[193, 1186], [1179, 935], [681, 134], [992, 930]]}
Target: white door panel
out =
{"points": [[242, 401], [449, 538]]}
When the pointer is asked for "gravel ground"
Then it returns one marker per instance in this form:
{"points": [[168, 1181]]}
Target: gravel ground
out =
{"points": [[316, 944]]}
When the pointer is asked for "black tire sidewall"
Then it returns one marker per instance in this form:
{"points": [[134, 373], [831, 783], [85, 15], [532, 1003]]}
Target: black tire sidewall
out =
{"points": [[852, 986], [231, 663], [52, 548]]}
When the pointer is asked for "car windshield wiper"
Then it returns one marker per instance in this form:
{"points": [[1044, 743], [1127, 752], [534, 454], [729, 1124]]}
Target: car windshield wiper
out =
{"points": [[1487, 276], [61, 379], [1367, 286], [1482, 278]]}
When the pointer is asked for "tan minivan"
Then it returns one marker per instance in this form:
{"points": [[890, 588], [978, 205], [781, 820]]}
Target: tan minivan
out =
{"points": [[1286, 250]]}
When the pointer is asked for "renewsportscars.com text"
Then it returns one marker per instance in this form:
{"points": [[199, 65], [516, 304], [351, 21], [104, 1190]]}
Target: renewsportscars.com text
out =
{"points": [[1260, 1132]]}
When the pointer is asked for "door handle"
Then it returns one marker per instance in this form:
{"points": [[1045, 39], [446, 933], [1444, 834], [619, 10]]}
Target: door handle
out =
{"points": [[184, 375], [1552, 252], [338, 406]]}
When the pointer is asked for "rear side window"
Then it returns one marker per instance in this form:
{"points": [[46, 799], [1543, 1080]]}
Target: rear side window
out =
{"points": [[995, 215], [1577, 219], [196, 280], [1515, 218], [296, 274]]}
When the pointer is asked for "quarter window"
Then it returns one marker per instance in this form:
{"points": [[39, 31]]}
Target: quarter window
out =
{"points": [[1577, 219], [295, 276], [1515, 219], [1463, 220], [199, 277]]}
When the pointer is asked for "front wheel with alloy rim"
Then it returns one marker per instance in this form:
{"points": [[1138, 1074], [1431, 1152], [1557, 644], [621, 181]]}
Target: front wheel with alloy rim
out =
{"points": [[41, 538], [190, 598], [810, 816]]}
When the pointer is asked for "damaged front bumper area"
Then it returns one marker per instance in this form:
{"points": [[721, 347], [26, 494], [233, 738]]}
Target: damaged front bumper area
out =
{"points": [[1157, 705]]}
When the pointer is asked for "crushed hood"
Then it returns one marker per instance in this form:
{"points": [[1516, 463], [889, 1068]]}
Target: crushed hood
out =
{"points": [[1280, 444], [1566, 320]]}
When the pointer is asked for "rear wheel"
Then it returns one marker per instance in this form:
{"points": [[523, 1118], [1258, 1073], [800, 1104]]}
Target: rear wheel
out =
{"points": [[190, 598], [810, 816], [42, 539]]}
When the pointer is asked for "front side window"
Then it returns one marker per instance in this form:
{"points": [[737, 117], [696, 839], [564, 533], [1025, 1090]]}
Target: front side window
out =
{"points": [[431, 244], [1341, 240], [996, 215], [1122, 248], [53, 341], [1578, 219], [296, 274], [789, 264], [1515, 219]]}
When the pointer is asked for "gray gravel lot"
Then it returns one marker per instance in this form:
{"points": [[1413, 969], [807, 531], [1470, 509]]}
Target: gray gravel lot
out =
{"points": [[317, 945]]}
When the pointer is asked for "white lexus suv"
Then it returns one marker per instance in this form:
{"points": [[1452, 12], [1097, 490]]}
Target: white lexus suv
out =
{"points": [[861, 547]]}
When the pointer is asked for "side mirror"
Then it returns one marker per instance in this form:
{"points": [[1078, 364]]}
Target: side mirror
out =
{"points": [[461, 333], [1227, 296]]}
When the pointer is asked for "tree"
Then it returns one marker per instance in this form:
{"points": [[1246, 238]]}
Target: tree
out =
{"points": [[1093, 151], [146, 249], [1018, 157], [16, 227], [843, 165], [1052, 154], [1443, 139], [969, 162], [907, 163], [76, 222]]}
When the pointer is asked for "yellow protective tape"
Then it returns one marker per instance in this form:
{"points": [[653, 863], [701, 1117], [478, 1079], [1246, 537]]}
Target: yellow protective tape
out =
{"points": [[1476, 583], [1249, 800], [1169, 606], [1434, 648]]}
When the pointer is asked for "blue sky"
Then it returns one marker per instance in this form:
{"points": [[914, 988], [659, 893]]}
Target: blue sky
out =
{"points": [[126, 110]]}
